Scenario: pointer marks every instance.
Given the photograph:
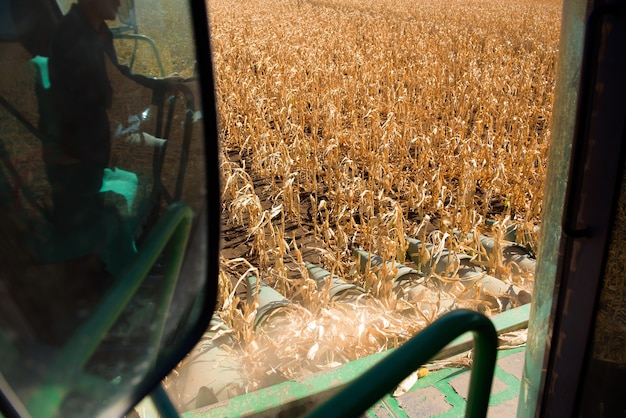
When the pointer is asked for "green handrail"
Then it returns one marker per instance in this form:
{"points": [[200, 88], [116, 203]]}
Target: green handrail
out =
{"points": [[163, 404], [173, 229], [362, 393]]}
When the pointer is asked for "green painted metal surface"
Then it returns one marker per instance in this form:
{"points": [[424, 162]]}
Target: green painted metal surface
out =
{"points": [[442, 381], [565, 102], [276, 397]]}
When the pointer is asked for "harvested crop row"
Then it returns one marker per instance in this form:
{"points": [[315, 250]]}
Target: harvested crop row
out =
{"points": [[358, 123], [360, 119]]}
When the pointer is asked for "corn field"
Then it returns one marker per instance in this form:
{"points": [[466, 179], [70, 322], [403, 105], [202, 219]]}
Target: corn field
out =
{"points": [[356, 124]]}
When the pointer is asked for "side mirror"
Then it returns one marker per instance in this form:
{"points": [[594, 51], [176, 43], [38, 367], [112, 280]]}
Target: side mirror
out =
{"points": [[109, 204]]}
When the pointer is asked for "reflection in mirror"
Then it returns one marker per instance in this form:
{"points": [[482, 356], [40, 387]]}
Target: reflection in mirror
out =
{"points": [[102, 188]]}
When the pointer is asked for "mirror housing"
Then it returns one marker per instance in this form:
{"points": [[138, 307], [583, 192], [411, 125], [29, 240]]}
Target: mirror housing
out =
{"points": [[179, 245]]}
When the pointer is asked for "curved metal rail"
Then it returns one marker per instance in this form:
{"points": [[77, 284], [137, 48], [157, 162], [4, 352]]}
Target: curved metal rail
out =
{"points": [[362, 393]]}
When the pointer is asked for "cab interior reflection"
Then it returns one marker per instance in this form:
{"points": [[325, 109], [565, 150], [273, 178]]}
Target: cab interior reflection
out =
{"points": [[102, 186]]}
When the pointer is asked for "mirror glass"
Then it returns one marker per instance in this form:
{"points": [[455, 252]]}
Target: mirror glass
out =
{"points": [[102, 191]]}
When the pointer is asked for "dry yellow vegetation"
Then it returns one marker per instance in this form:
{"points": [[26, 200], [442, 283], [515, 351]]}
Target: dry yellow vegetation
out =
{"points": [[383, 114], [360, 122]]}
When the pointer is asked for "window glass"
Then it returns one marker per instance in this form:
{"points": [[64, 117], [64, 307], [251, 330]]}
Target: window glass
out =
{"points": [[102, 181], [383, 162]]}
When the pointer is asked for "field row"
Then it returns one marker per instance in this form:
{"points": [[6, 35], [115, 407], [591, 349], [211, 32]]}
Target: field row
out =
{"points": [[357, 123]]}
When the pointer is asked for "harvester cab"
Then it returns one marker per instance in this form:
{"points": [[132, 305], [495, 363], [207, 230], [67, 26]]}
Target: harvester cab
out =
{"points": [[93, 318]]}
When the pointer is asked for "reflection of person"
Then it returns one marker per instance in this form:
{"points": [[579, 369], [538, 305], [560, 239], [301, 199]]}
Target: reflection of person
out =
{"points": [[81, 94], [79, 82]]}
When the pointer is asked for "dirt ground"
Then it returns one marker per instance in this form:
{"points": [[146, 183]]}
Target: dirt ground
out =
{"points": [[235, 242]]}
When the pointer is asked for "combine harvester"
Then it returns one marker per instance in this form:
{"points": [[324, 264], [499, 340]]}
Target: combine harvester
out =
{"points": [[212, 382], [73, 346]]}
